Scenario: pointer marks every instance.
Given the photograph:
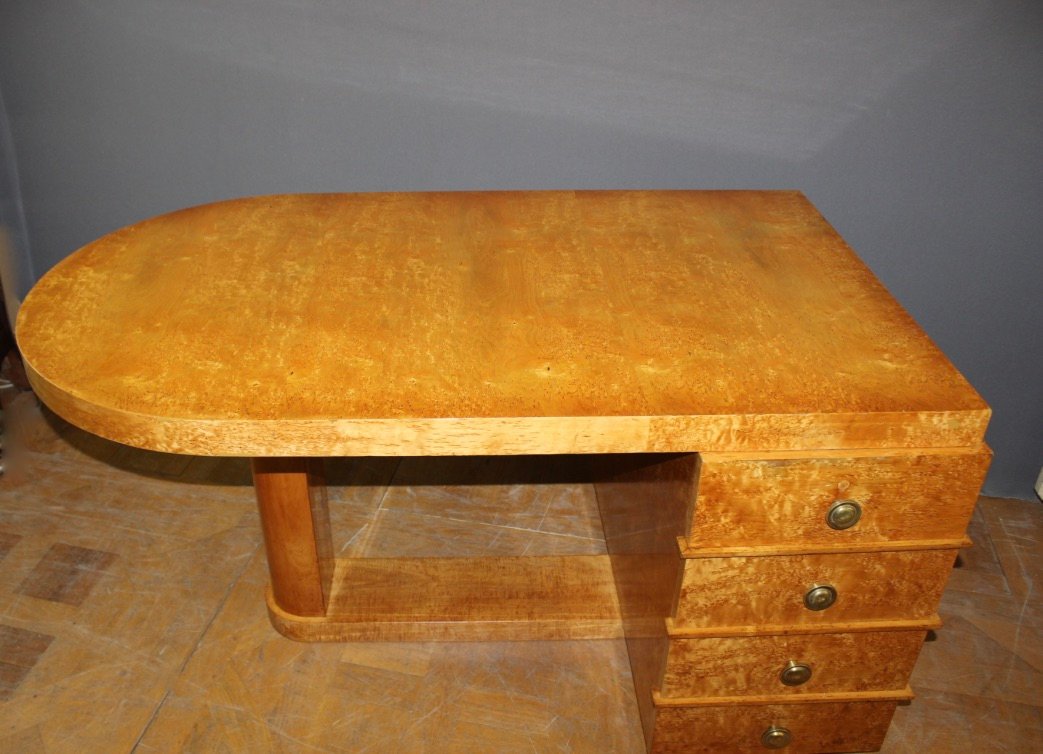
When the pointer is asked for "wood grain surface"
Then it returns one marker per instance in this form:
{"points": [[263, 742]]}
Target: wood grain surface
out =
{"points": [[678, 631], [834, 727], [842, 662], [454, 599], [479, 323], [645, 502], [782, 501], [291, 499], [745, 591]]}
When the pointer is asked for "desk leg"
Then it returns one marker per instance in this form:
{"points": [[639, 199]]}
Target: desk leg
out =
{"points": [[291, 496]]}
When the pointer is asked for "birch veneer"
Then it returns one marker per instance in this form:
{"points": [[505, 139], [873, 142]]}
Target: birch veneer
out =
{"points": [[785, 463]]}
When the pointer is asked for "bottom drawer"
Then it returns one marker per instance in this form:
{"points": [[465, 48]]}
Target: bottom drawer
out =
{"points": [[826, 727], [740, 666]]}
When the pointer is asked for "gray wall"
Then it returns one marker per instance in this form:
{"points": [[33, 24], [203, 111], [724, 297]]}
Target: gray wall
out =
{"points": [[916, 127]]}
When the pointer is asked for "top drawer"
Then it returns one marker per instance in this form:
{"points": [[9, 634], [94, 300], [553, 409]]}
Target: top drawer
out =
{"points": [[786, 500]]}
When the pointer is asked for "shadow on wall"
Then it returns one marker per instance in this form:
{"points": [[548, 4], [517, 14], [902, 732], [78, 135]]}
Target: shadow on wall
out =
{"points": [[15, 264]]}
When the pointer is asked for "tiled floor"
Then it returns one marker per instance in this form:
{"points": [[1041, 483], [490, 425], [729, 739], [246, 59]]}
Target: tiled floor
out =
{"points": [[132, 616]]}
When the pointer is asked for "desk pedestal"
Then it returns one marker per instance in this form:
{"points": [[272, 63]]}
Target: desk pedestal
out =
{"points": [[710, 558]]}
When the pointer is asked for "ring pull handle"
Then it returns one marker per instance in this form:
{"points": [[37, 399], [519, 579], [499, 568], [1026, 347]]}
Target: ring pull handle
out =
{"points": [[843, 514]]}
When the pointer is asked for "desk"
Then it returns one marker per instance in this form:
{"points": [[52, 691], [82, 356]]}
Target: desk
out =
{"points": [[784, 463]]}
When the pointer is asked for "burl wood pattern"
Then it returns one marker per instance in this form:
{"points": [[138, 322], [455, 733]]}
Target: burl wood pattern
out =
{"points": [[836, 727], [782, 501], [744, 591], [741, 666], [736, 325], [488, 323]]}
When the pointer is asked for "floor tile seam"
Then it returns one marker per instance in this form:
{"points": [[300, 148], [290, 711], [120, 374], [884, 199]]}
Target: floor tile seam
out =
{"points": [[175, 677], [148, 723], [233, 583]]}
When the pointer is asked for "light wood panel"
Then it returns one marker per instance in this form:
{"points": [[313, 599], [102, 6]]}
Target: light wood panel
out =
{"points": [[745, 591], [498, 322], [291, 497], [176, 634], [477, 599], [797, 549], [752, 665], [835, 727], [782, 501], [645, 502], [677, 631], [726, 323], [757, 700]]}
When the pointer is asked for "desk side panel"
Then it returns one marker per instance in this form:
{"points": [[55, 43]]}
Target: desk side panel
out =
{"points": [[645, 501]]}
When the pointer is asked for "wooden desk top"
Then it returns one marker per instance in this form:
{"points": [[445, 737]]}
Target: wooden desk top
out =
{"points": [[486, 323]]}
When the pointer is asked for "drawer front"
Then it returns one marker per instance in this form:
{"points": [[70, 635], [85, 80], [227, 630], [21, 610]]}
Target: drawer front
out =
{"points": [[771, 590], [833, 727], [750, 503], [758, 665]]}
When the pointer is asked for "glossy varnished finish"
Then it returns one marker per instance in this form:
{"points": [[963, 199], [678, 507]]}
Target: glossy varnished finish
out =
{"points": [[645, 503], [475, 599], [748, 369], [744, 591], [472, 323], [740, 666], [840, 726], [175, 633], [782, 501], [291, 497]]}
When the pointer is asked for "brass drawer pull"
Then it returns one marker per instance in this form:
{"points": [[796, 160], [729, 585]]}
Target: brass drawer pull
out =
{"points": [[776, 738], [819, 597], [843, 514], [795, 673]]}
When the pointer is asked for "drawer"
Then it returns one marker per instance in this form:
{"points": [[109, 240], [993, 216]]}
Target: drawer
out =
{"points": [[771, 590], [740, 666], [745, 502], [826, 727]]}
